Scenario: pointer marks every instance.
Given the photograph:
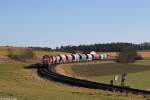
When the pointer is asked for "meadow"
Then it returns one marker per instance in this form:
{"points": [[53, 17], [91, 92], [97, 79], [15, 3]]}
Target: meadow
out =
{"points": [[25, 84], [17, 81], [137, 73]]}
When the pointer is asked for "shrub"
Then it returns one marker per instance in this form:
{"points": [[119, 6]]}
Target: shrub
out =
{"points": [[128, 55], [21, 54]]}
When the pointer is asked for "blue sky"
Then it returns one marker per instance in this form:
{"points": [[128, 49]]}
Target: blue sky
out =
{"points": [[72, 22]]}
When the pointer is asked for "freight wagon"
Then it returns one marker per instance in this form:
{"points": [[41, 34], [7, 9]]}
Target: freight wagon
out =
{"points": [[68, 58]]}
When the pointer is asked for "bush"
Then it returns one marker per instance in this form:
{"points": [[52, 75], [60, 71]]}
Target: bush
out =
{"points": [[21, 54], [128, 55]]}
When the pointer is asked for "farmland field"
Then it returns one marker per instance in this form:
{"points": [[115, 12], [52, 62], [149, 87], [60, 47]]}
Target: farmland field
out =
{"points": [[24, 84], [137, 73]]}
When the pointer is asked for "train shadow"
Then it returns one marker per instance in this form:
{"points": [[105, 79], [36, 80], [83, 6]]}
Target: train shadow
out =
{"points": [[34, 66]]}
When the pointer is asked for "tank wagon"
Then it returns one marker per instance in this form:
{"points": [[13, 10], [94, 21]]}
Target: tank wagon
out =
{"points": [[83, 57], [63, 59], [96, 56], [68, 58], [76, 57], [58, 58], [89, 57], [54, 59]]}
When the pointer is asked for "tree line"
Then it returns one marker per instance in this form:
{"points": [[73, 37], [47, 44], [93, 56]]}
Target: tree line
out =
{"points": [[41, 48], [101, 47], [104, 47]]}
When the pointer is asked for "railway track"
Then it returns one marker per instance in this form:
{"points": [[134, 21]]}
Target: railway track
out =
{"points": [[49, 73]]}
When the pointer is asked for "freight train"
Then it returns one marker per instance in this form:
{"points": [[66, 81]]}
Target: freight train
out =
{"points": [[69, 58]]}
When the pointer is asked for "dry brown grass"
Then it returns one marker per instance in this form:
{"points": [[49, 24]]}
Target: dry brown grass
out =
{"points": [[144, 54]]}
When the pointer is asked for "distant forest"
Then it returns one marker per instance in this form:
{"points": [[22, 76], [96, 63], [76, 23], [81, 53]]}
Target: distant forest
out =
{"points": [[102, 47]]}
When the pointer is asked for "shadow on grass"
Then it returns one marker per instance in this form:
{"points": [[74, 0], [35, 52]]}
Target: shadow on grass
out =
{"points": [[34, 66]]}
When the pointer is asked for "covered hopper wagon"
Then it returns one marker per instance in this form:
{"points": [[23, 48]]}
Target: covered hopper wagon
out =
{"points": [[68, 58]]}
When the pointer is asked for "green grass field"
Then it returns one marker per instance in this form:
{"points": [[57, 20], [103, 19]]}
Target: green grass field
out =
{"points": [[24, 84], [137, 73]]}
